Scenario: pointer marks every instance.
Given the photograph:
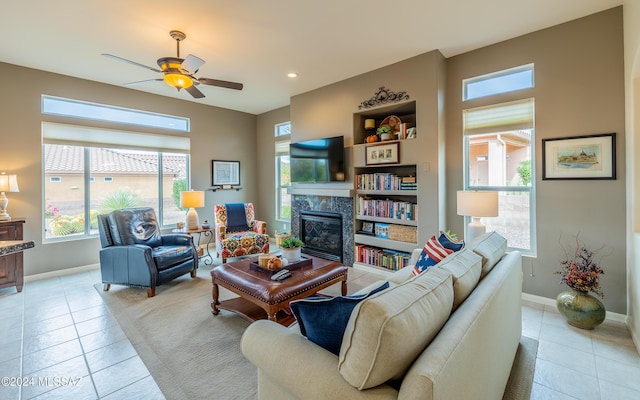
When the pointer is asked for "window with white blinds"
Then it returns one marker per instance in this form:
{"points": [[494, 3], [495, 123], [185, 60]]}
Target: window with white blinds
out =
{"points": [[283, 181], [498, 154], [515, 115]]}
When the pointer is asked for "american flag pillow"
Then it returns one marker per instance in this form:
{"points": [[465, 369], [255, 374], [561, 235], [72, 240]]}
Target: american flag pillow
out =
{"points": [[432, 253]]}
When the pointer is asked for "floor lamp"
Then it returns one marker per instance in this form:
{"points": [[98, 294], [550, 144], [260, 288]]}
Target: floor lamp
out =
{"points": [[192, 200], [477, 204], [8, 183]]}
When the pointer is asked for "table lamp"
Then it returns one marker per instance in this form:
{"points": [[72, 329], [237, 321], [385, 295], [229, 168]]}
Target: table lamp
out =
{"points": [[8, 183], [192, 200], [477, 204]]}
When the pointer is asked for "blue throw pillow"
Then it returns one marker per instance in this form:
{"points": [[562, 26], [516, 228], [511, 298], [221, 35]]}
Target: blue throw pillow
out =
{"points": [[448, 243], [323, 319]]}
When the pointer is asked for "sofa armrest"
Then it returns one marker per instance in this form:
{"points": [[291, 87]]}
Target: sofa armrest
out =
{"points": [[298, 366], [259, 226], [177, 239], [129, 265]]}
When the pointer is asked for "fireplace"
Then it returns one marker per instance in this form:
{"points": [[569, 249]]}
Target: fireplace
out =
{"points": [[321, 233], [331, 207]]}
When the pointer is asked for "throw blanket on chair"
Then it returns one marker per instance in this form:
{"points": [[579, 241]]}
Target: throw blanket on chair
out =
{"points": [[236, 217]]}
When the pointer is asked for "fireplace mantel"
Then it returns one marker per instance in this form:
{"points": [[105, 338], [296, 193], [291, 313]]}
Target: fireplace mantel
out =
{"points": [[331, 192]]}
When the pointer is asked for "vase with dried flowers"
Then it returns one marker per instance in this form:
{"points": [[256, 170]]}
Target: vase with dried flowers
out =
{"points": [[580, 270]]}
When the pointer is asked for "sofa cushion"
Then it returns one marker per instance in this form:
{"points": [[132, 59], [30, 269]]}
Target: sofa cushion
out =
{"points": [[387, 332], [449, 243], [168, 256], [323, 320], [491, 247], [432, 253], [465, 267]]}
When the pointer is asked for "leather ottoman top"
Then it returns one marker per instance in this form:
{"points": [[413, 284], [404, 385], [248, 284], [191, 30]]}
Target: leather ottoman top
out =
{"points": [[259, 285]]}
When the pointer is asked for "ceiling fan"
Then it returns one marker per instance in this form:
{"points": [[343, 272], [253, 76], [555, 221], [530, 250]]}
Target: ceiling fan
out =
{"points": [[178, 72]]}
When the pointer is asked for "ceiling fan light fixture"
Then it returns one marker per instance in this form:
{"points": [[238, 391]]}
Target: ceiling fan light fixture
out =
{"points": [[178, 81]]}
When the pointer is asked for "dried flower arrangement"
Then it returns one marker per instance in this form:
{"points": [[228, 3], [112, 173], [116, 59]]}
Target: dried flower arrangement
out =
{"points": [[580, 270]]}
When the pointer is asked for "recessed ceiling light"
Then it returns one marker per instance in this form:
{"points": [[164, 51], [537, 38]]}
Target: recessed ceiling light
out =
{"points": [[292, 75]]}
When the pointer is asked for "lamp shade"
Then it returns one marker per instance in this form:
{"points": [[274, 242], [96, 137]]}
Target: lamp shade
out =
{"points": [[8, 183], [369, 123], [477, 204], [192, 199]]}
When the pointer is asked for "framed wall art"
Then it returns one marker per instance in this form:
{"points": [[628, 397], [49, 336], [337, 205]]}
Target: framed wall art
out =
{"points": [[579, 157], [382, 153], [225, 173]]}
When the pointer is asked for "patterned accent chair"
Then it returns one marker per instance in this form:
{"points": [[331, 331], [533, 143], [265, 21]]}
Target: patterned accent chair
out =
{"points": [[238, 233]]}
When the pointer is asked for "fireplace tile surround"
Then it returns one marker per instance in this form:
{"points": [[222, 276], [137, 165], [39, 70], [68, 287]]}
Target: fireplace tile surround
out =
{"points": [[339, 205]]}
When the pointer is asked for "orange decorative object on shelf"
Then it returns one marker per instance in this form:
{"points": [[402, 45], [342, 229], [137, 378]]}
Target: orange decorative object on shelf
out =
{"points": [[371, 138]]}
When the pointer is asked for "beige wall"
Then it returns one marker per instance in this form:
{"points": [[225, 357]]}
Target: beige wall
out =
{"points": [[265, 139], [579, 90], [632, 101], [216, 133]]}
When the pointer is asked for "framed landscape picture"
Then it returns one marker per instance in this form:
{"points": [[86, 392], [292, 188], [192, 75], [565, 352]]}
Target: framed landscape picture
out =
{"points": [[579, 157], [225, 173]]}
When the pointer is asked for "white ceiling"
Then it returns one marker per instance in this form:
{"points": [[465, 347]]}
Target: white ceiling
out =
{"points": [[257, 42]]}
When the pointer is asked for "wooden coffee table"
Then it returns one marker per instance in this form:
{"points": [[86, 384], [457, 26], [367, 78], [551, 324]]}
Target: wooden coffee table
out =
{"points": [[261, 297]]}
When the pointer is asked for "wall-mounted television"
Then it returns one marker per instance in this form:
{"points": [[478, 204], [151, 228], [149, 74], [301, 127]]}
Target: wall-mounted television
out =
{"points": [[319, 160]]}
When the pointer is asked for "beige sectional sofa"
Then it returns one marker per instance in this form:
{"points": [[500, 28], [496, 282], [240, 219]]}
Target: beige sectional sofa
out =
{"points": [[450, 333]]}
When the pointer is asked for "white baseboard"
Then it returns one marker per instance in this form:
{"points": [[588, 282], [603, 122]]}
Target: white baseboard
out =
{"points": [[61, 272], [552, 303]]}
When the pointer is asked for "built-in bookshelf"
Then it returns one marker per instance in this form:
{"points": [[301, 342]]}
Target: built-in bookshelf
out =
{"points": [[386, 211]]}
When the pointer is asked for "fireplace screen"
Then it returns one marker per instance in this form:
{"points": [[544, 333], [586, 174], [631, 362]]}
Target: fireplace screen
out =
{"points": [[322, 234]]}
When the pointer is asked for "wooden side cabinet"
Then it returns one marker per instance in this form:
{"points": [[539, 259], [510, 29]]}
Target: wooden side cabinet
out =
{"points": [[11, 265]]}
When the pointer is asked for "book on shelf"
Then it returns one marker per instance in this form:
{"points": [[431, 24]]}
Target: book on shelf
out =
{"points": [[408, 183], [406, 130], [402, 210], [408, 186], [408, 179], [383, 181], [384, 258]]}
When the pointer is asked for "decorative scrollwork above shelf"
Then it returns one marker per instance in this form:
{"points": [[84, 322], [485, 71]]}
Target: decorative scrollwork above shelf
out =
{"points": [[384, 96]]}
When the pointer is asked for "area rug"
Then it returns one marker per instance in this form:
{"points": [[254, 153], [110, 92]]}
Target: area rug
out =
{"points": [[190, 353], [193, 355], [521, 379]]}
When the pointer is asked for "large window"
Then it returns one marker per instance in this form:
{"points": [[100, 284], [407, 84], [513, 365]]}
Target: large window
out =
{"points": [[498, 149], [283, 173], [89, 171], [125, 178]]}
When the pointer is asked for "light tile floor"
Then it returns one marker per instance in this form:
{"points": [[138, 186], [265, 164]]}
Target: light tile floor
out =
{"points": [[574, 363], [58, 340]]}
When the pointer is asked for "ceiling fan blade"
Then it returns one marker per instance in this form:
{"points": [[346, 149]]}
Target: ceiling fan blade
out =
{"points": [[130, 62], [193, 91], [145, 81], [192, 64], [224, 84]]}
